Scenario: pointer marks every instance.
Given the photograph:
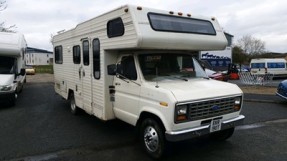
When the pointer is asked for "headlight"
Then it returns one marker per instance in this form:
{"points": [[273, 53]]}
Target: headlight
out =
{"points": [[181, 112], [237, 103], [6, 88]]}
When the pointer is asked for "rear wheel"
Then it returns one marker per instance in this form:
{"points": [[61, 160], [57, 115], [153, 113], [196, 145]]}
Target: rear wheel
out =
{"points": [[152, 138], [73, 106], [222, 135]]}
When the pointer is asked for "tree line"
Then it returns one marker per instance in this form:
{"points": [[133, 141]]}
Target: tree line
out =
{"points": [[3, 26], [249, 47]]}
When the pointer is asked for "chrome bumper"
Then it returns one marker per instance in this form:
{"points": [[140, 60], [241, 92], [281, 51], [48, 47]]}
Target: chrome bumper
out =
{"points": [[202, 130]]}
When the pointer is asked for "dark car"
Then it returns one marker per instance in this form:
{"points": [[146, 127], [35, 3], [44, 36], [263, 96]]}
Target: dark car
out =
{"points": [[282, 89]]}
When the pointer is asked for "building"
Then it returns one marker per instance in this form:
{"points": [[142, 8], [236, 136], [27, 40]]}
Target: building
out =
{"points": [[36, 56], [219, 60]]}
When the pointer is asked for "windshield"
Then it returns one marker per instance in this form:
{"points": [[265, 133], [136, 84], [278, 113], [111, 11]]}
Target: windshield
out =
{"points": [[160, 66], [7, 65]]}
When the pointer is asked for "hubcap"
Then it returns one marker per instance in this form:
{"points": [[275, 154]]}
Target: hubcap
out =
{"points": [[151, 139], [73, 105]]}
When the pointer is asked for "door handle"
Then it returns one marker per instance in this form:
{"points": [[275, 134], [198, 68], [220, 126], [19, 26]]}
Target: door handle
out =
{"points": [[80, 73], [84, 73]]}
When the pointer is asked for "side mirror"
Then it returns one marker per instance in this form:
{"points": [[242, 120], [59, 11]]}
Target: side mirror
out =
{"points": [[112, 69], [22, 72]]}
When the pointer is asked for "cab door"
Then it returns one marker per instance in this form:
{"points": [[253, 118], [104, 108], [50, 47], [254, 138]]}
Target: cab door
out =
{"points": [[127, 90]]}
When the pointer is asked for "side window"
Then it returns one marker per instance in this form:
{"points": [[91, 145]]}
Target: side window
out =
{"points": [[77, 54], [128, 68], [96, 58], [59, 55], [115, 28], [86, 52]]}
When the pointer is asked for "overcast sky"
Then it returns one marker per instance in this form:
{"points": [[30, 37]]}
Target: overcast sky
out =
{"points": [[38, 19]]}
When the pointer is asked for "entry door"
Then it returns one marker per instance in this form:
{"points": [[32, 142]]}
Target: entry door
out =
{"points": [[127, 90], [86, 77]]}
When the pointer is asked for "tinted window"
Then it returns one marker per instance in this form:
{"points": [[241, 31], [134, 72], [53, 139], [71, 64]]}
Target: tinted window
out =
{"points": [[77, 54], [276, 65], [86, 52], [96, 58], [258, 65], [58, 55], [170, 23], [128, 68], [115, 28]]}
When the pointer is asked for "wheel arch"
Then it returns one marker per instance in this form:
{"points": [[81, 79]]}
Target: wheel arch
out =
{"points": [[146, 114]]}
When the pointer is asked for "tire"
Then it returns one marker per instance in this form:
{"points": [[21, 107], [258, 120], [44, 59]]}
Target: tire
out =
{"points": [[222, 135], [12, 101], [73, 107], [152, 138]]}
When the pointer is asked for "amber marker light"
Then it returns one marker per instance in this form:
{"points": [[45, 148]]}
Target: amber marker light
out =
{"points": [[171, 12], [126, 10], [163, 104], [179, 13], [181, 118], [188, 15]]}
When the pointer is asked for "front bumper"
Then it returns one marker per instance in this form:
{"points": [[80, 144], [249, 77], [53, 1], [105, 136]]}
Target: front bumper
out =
{"points": [[7, 96], [281, 95], [202, 130]]}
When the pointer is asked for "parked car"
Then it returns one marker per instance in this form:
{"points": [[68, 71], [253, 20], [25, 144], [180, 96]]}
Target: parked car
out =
{"points": [[282, 89], [30, 70], [216, 75]]}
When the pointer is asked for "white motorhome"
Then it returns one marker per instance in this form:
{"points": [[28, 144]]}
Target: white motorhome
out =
{"points": [[139, 65], [12, 72], [276, 66]]}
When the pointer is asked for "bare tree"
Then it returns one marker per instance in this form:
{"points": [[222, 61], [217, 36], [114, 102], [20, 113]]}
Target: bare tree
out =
{"points": [[3, 27], [3, 6], [251, 45]]}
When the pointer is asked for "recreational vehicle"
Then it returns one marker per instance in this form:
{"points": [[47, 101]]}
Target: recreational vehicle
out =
{"points": [[139, 65], [276, 67], [12, 72]]}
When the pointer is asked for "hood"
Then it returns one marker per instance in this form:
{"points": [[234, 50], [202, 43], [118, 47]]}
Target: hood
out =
{"points": [[197, 89], [6, 79]]}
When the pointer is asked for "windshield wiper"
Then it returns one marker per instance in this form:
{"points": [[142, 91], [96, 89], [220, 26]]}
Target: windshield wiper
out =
{"points": [[181, 78]]}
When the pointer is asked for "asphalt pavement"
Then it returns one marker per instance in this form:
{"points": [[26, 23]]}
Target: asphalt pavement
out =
{"points": [[261, 97]]}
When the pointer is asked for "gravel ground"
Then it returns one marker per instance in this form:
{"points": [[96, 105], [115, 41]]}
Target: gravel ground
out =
{"points": [[40, 78], [270, 90]]}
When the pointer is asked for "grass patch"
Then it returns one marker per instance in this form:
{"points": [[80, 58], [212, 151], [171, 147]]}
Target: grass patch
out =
{"points": [[44, 69]]}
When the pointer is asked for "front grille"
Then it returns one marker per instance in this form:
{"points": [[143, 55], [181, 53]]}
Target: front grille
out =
{"points": [[211, 108]]}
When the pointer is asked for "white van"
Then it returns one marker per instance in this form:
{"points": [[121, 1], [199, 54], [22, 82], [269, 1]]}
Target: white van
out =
{"points": [[12, 72], [276, 66], [140, 65]]}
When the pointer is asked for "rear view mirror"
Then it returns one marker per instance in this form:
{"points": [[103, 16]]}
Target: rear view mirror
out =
{"points": [[112, 69], [22, 72]]}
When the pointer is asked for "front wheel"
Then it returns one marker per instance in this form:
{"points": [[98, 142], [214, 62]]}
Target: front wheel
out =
{"points": [[152, 138]]}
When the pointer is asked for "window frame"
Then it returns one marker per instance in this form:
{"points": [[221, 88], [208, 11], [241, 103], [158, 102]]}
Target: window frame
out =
{"points": [[77, 54], [184, 20], [96, 59], [58, 50], [86, 52], [115, 28]]}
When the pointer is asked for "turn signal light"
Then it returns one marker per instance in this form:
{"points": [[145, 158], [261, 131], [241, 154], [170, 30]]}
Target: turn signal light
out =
{"points": [[181, 118]]}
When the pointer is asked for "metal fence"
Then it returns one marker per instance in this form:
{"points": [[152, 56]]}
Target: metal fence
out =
{"points": [[247, 78]]}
